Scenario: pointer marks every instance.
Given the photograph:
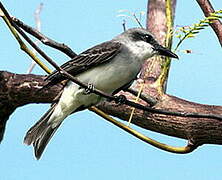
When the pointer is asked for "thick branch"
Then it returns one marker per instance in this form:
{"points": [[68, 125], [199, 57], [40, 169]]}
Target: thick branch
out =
{"points": [[199, 131], [216, 25], [156, 24], [23, 89], [18, 90]]}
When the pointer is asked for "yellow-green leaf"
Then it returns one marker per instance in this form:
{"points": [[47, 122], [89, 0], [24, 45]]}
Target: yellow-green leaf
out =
{"points": [[199, 28], [190, 35], [212, 18]]}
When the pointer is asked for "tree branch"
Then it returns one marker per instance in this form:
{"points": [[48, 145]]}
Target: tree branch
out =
{"points": [[216, 25], [45, 40], [199, 131], [22, 89]]}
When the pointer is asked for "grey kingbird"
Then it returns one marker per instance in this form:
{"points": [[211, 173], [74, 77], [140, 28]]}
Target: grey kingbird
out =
{"points": [[109, 67]]}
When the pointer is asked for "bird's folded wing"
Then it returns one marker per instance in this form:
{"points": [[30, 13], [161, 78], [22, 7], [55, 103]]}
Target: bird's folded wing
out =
{"points": [[90, 58]]}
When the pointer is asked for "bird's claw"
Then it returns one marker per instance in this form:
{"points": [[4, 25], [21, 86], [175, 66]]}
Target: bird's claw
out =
{"points": [[121, 99], [89, 89]]}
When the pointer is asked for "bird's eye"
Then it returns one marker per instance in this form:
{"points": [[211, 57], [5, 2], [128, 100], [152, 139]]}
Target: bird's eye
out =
{"points": [[148, 38]]}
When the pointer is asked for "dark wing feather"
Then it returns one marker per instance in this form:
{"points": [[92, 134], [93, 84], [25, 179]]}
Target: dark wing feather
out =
{"points": [[94, 56]]}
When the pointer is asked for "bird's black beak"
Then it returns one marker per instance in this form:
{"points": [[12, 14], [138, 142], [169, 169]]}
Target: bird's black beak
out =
{"points": [[164, 51]]}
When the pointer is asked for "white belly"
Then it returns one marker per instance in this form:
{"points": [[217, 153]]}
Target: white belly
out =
{"points": [[110, 76]]}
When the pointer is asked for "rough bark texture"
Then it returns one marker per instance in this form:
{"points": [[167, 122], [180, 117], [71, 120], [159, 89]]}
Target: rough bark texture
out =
{"points": [[156, 24], [17, 90], [207, 8], [198, 131]]}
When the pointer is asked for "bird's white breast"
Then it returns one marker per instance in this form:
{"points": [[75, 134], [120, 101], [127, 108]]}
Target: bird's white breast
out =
{"points": [[113, 75]]}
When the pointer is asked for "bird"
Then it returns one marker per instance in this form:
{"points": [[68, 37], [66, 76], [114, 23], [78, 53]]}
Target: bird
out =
{"points": [[110, 67]]}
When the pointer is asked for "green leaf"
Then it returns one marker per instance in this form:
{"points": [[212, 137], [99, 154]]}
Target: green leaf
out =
{"points": [[199, 28], [212, 18], [190, 36], [179, 36], [204, 25], [218, 16], [191, 31]]}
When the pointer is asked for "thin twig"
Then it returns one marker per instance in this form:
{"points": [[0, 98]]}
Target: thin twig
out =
{"points": [[136, 100], [137, 20], [37, 16], [179, 150], [45, 40], [124, 25], [23, 46], [38, 27], [145, 97]]}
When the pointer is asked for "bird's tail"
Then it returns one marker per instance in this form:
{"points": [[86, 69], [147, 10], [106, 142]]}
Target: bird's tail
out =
{"points": [[40, 134]]}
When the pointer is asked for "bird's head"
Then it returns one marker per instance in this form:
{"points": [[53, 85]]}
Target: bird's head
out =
{"points": [[145, 43]]}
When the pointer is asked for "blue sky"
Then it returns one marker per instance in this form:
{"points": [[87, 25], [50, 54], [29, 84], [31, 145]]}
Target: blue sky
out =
{"points": [[86, 146]]}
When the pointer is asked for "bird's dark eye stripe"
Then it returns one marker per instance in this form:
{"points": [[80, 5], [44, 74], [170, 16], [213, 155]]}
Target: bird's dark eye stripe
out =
{"points": [[148, 38], [144, 37]]}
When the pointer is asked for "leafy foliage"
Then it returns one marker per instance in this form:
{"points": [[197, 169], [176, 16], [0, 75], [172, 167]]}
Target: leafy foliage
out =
{"points": [[191, 31]]}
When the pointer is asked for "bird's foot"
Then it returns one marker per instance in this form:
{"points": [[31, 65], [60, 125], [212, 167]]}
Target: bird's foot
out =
{"points": [[121, 99], [89, 89]]}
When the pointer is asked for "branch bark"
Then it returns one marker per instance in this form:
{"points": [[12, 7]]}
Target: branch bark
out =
{"points": [[216, 25], [22, 89]]}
